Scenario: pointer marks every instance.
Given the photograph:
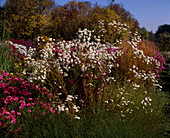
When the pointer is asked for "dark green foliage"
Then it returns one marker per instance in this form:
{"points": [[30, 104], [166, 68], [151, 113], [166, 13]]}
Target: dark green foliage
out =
{"points": [[162, 29], [163, 37]]}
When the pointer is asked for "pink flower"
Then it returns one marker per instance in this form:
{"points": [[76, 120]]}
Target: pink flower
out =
{"points": [[21, 107], [0, 124], [156, 71], [16, 99], [13, 116], [16, 79], [29, 111], [99, 76], [22, 98], [19, 129], [6, 92], [6, 74], [6, 101], [71, 82], [13, 121], [32, 104], [8, 117], [7, 113], [12, 112], [15, 131], [24, 104], [1, 78], [2, 71], [88, 76], [18, 113], [51, 95], [28, 105], [30, 99], [52, 111]]}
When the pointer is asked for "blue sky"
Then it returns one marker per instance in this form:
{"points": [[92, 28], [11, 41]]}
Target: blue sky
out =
{"points": [[149, 13]]}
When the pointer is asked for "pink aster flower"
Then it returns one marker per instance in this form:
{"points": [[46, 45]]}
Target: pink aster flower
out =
{"points": [[15, 131], [12, 112], [13, 121], [28, 105], [16, 99], [18, 113], [30, 99], [6, 101], [19, 129], [32, 104], [8, 117], [29, 111], [21, 107], [6, 74]]}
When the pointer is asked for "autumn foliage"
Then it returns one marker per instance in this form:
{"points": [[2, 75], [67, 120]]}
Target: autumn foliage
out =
{"points": [[27, 19]]}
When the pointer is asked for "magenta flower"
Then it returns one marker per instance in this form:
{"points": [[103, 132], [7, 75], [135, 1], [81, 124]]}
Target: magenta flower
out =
{"points": [[21, 107], [13, 121], [24, 104], [6, 74], [28, 105], [15, 131], [30, 99], [6, 92], [6, 101], [7, 113], [22, 98], [8, 117], [19, 129], [18, 113], [0, 124], [16, 99], [32, 104], [12, 112], [29, 111], [71, 82]]}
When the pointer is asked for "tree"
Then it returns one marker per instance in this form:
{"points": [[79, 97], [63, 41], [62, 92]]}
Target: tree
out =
{"points": [[67, 19], [2, 22], [152, 37], [162, 29], [163, 37], [144, 33], [125, 17], [29, 17]]}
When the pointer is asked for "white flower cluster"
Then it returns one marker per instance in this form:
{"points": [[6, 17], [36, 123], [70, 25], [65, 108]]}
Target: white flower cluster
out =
{"points": [[146, 102], [86, 54], [118, 30], [67, 106], [39, 64], [21, 49]]}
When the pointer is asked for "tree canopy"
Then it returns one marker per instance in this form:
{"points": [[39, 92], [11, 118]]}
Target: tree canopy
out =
{"points": [[27, 19]]}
